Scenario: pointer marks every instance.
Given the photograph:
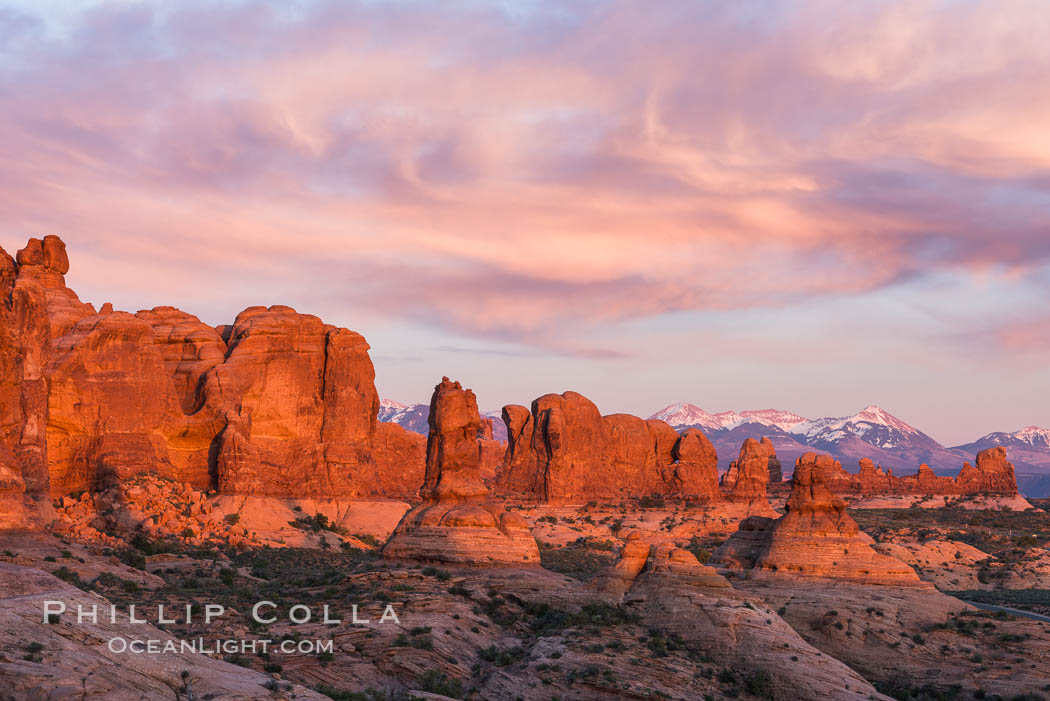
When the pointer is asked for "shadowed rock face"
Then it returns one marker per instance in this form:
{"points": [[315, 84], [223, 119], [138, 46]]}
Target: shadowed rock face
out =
{"points": [[456, 523], [815, 538], [276, 404], [564, 450]]}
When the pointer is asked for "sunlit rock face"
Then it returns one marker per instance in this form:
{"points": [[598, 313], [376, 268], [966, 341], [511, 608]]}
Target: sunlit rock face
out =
{"points": [[276, 404], [457, 522], [24, 350], [563, 450]]}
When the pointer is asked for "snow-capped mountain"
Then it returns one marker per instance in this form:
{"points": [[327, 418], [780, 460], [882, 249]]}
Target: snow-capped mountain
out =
{"points": [[413, 417], [684, 415], [873, 425], [1027, 437], [871, 433], [784, 420], [410, 416]]}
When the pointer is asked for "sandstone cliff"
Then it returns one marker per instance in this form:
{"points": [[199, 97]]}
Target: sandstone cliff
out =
{"points": [[24, 349], [278, 403]]}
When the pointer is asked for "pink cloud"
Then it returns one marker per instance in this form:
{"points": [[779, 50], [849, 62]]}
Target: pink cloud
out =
{"points": [[516, 176]]}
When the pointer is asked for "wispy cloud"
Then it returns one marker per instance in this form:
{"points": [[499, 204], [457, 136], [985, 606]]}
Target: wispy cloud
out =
{"points": [[524, 175]]}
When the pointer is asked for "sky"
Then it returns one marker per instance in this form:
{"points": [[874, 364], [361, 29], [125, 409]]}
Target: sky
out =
{"points": [[806, 205]]}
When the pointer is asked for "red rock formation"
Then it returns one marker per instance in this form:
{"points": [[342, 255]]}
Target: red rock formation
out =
{"points": [[400, 459], [695, 473], [492, 453], [994, 475], [12, 500], [24, 349], [564, 450], [748, 476], [815, 538], [300, 405], [45, 263], [278, 403], [456, 523], [112, 406], [188, 348]]}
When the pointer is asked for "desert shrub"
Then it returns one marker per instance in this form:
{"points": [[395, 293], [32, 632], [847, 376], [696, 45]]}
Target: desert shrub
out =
{"points": [[501, 657], [436, 682], [654, 501]]}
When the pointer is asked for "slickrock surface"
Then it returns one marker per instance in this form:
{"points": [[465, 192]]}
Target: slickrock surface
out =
{"points": [[993, 476], [564, 451], [68, 659], [815, 538], [908, 637], [949, 565], [671, 591], [456, 522]]}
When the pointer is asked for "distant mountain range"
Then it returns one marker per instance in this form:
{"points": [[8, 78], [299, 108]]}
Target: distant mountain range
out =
{"points": [[414, 417], [871, 433]]}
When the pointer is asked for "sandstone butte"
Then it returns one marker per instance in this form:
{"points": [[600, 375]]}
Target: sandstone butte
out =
{"points": [[994, 475], [563, 450], [457, 523], [816, 537]]}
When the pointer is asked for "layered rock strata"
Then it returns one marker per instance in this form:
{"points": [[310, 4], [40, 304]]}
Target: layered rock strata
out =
{"points": [[677, 596], [457, 523]]}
